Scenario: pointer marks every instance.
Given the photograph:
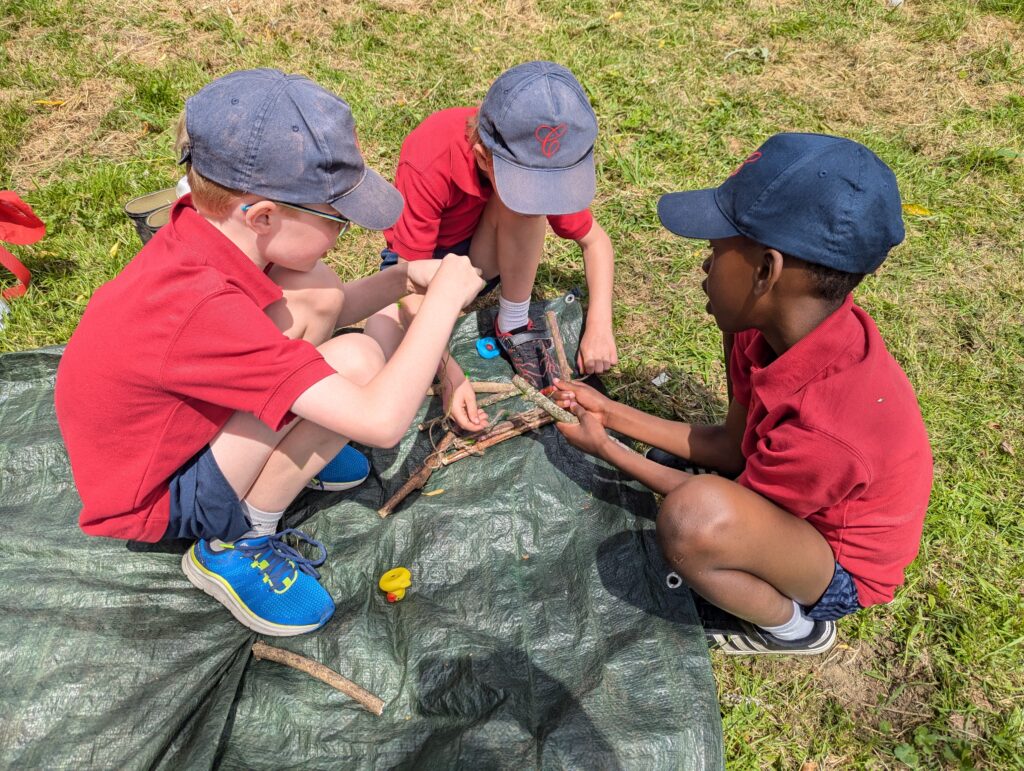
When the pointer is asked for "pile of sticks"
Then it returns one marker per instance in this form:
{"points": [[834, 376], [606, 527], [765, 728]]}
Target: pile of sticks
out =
{"points": [[453, 447]]}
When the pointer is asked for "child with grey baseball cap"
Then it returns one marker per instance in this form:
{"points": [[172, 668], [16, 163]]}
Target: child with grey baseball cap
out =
{"points": [[203, 389], [486, 182]]}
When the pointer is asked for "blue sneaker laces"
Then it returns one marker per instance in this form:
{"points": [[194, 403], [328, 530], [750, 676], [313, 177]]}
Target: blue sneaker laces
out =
{"points": [[278, 560]]}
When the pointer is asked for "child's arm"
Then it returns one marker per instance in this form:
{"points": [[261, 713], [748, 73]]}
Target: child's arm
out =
{"points": [[366, 296], [715, 446], [457, 394], [380, 412], [592, 437], [597, 352]]}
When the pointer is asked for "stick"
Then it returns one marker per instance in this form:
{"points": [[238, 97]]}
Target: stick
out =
{"points": [[418, 479], [544, 402], [315, 669], [518, 425], [479, 387], [556, 336], [487, 401]]}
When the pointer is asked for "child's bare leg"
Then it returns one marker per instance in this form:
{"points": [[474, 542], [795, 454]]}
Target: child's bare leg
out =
{"points": [[311, 304], [509, 244], [742, 552], [268, 468], [386, 326]]}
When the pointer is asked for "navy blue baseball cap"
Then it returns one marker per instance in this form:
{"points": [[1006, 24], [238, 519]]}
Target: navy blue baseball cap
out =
{"points": [[286, 138], [820, 198], [540, 128]]}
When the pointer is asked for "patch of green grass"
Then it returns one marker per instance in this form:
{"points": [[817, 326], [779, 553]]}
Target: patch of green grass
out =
{"points": [[13, 119], [683, 92]]}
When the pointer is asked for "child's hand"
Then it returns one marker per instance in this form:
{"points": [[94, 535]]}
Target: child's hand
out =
{"points": [[597, 353], [458, 275], [460, 404], [419, 274], [589, 436], [573, 393]]}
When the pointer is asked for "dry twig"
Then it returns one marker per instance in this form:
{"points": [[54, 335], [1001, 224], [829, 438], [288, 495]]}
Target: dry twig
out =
{"points": [[556, 337], [417, 480], [315, 669], [516, 425], [451, 449], [479, 387], [544, 402]]}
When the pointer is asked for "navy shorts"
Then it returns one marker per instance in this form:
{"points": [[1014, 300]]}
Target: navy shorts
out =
{"points": [[389, 258], [839, 599], [203, 504]]}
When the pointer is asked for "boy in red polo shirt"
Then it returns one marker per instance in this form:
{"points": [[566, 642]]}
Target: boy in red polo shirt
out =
{"points": [[486, 183], [202, 388], [824, 435]]}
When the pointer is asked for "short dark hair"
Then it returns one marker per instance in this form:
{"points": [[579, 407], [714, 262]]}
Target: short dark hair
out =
{"points": [[831, 284]]}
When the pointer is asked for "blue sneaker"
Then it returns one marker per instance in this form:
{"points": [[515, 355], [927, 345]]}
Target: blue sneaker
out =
{"points": [[349, 469], [265, 583]]}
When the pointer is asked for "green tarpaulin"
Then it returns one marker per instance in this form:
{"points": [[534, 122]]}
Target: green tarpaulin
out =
{"points": [[538, 632]]}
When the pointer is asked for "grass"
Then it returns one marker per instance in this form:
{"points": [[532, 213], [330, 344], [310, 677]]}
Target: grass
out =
{"points": [[683, 92]]}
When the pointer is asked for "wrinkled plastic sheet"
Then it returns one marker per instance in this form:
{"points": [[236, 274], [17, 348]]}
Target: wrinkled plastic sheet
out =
{"points": [[538, 632]]}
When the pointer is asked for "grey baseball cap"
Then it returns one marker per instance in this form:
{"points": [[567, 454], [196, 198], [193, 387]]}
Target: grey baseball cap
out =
{"points": [[286, 138], [540, 128]]}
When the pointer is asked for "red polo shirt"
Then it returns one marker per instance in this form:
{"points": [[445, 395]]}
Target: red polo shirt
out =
{"points": [[165, 353], [444, 194], [834, 435]]}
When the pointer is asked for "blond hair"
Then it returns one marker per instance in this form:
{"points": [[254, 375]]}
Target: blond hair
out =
{"points": [[208, 196]]}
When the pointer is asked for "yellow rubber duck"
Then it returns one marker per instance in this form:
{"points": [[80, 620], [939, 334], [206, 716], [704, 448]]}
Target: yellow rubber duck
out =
{"points": [[395, 582]]}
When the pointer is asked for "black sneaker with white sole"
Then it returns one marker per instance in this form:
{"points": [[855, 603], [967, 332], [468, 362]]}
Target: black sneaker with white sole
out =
{"points": [[754, 641]]}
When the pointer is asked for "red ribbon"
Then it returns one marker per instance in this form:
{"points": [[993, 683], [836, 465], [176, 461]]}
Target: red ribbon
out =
{"points": [[18, 225]]}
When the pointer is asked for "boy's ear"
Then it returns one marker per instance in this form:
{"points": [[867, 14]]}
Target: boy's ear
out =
{"points": [[257, 216], [483, 159], [769, 270]]}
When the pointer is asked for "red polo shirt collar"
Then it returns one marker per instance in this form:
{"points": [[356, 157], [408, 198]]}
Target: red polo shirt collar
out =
{"points": [[775, 378], [197, 235]]}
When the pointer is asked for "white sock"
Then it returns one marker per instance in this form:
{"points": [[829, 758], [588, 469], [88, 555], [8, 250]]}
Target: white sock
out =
{"points": [[797, 627], [512, 315], [263, 522]]}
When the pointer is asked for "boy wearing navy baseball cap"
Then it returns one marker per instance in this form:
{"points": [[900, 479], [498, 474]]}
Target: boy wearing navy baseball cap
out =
{"points": [[487, 183], [827, 457], [202, 389]]}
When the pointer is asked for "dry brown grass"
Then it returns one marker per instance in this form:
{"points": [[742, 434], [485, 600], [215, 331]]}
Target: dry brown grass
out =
{"points": [[857, 83], [72, 129]]}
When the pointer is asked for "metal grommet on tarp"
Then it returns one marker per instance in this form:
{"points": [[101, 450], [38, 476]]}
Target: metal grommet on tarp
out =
{"points": [[673, 580]]}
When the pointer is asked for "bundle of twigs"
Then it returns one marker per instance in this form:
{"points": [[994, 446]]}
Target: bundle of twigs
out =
{"points": [[453, 448]]}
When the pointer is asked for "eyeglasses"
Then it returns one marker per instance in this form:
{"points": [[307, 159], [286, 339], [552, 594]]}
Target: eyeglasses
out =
{"points": [[332, 217]]}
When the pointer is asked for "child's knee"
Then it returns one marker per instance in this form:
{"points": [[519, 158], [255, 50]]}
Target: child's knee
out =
{"points": [[696, 520], [357, 357], [317, 293]]}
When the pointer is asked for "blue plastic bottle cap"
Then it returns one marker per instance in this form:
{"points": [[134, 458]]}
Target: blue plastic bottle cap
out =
{"points": [[488, 348]]}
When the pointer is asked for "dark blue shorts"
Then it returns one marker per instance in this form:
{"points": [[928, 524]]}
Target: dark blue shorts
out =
{"points": [[203, 504], [389, 258], [839, 599]]}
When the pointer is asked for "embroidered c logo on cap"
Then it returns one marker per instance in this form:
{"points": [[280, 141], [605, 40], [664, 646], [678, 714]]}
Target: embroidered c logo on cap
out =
{"points": [[754, 157], [549, 137]]}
